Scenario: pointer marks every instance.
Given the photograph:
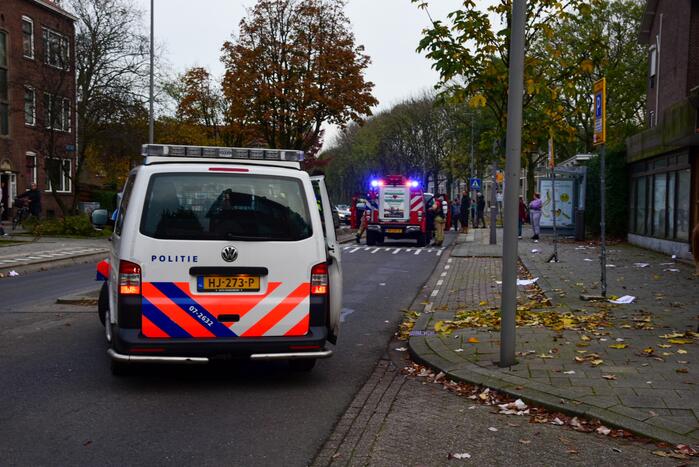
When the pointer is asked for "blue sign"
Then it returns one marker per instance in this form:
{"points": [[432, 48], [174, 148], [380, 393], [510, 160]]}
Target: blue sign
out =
{"points": [[475, 184], [598, 105]]}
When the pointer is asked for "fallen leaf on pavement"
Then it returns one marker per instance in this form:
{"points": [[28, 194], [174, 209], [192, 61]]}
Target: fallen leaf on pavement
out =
{"points": [[401, 349], [618, 346], [492, 428], [681, 351], [525, 441], [473, 340], [648, 351], [609, 377], [682, 370], [459, 455], [680, 341], [596, 362], [664, 346], [603, 430]]}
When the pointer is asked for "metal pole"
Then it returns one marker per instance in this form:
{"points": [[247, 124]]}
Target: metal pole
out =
{"points": [[554, 256], [603, 222], [472, 175], [151, 125], [508, 306]]}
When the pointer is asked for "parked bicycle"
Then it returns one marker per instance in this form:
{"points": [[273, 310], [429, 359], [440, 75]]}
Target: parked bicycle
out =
{"points": [[22, 212]]}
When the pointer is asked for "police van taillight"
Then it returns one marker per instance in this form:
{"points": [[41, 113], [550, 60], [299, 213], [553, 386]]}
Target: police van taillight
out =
{"points": [[129, 278], [319, 279]]}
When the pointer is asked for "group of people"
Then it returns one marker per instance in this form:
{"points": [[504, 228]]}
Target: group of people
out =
{"points": [[465, 208]]}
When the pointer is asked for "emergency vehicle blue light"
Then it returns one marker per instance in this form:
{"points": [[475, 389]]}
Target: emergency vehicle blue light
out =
{"points": [[414, 184], [374, 183]]}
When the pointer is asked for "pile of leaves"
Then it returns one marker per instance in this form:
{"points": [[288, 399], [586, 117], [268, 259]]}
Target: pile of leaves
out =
{"points": [[527, 315], [409, 318], [506, 405]]}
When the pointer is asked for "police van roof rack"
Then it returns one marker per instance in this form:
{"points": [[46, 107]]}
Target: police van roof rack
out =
{"points": [[168, 152]]}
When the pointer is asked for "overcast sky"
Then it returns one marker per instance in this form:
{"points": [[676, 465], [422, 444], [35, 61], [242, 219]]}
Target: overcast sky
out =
{"points": [[193, 33]]}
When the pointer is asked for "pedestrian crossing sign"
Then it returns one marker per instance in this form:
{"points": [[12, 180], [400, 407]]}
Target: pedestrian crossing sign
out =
{"points": [[475, 184]]}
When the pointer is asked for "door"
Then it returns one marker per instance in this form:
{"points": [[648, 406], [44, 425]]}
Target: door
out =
{"points": [[334, 257], [394, 203]]}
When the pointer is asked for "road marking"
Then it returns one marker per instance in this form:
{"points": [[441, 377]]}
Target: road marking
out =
{"points": [[430, 250], [439, 253], [9, 261], [367, 248], [346, 248], [444, 274], [446, 266], [377, 249], [396, 252], [434, 292], [417, 252], [449, 260], [408, 250], [352, 251], [344, 313], [34, 257], [440, 282]]}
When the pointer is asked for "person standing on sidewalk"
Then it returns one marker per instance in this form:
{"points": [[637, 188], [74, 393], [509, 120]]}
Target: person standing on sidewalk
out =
{"points": [[464, 211], [522, 216], [480, 210], [455, 213], [439, 220], [535, 215]]}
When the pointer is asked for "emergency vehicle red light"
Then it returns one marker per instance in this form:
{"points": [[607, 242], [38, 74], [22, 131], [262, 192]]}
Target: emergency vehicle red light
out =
{"points": [[226, 169]]}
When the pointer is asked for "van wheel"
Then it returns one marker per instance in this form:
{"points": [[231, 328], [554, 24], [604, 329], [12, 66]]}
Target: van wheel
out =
{"points": [[120, 369], [103, 303], [302, 364], [421, 240], [370, 239]]}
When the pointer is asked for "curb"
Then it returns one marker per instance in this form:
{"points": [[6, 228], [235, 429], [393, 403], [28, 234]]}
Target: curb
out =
{"points": [[464, 371], [54, 263]]}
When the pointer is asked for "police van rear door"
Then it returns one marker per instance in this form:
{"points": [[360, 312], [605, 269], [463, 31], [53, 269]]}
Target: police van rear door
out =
{"points": [[227, 251], [333, 254]]}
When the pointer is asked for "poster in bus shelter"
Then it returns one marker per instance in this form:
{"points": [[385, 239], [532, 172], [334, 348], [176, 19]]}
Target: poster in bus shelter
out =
{"points": [[565, 189]]}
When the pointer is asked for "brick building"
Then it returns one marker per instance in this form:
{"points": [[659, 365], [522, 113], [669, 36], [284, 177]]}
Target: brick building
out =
{"points": [[37, 101], [664, 159]]}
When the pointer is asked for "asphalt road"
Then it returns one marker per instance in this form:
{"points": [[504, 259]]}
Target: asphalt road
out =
{"points": [[59, 404]]}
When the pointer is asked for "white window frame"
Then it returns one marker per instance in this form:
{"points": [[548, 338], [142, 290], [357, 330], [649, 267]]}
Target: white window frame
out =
{"points": [[33, 120], [35, 168], [63, 120], [50, 36], [653, 61], [66, 180], [27, 19]]}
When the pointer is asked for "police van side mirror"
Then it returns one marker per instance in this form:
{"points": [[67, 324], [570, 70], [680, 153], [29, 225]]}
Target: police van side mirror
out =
{"points": [[100, 218]]}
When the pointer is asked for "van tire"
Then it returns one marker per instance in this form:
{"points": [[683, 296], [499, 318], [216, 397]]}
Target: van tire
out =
{"points": [[103, 303], [120, 369], [370, 239], [421, 240], [302, 364]]}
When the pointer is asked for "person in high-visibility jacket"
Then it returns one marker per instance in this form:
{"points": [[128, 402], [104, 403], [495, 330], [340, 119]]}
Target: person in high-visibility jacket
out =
{"points": [[439, 220]]}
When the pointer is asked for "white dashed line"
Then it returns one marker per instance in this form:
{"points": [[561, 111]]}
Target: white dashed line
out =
{"points": [[439, 253], [446, 266], [435, 292], [440, 282], [367, 249], [352, 251], [443, 274], [417, 252], [377, 249], [396, 252], [449, 260]]}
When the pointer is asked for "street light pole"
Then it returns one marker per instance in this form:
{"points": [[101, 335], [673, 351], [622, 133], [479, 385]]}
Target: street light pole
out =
{"points": [[508, 306], [151, 126]]}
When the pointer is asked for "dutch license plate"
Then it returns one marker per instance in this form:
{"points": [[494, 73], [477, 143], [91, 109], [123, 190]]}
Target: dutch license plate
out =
{"points": [[394, 230], [238, 283]]}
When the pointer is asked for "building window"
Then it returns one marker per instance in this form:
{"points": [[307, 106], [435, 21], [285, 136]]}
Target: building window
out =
{"points": [[661, 198], [59, 171], [4, 95], [27, 37], [56, 49], [56, 112], [29, 106], [32, 169]]}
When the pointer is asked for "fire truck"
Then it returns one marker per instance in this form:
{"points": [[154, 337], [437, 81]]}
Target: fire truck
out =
{"points": [[397, 210]]}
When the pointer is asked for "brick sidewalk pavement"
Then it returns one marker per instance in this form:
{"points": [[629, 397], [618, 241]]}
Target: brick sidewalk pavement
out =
{"points": [[645, 383]]}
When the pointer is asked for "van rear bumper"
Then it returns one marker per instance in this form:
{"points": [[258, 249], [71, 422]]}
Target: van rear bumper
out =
{"points": [[129, 345]]}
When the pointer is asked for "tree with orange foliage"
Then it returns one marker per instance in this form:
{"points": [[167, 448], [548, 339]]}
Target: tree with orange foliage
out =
{"points": [[293, 67], [200, 102]]}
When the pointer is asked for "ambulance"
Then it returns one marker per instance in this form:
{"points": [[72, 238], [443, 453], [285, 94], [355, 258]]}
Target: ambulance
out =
{"points": [[397, 211], [221, 253]]}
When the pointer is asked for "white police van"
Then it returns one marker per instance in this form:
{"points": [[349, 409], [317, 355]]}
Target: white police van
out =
{"points": [[222, 252]]}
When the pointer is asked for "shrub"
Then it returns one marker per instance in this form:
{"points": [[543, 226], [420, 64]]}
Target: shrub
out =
{"points": [[79, 226]]}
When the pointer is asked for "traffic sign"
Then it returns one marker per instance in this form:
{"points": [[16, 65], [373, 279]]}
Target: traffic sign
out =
{"points": [[475, 184], [600, 93]]}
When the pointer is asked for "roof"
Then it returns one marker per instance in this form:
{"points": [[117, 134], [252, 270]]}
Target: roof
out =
{"points": [[647, 22], [55, 7]]}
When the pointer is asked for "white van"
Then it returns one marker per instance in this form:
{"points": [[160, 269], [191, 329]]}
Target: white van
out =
{"points": [[219, 253]]}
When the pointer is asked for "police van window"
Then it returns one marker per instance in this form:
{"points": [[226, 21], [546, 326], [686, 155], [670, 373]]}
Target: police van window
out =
{"points": [[126, 196], [225, 207]]}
